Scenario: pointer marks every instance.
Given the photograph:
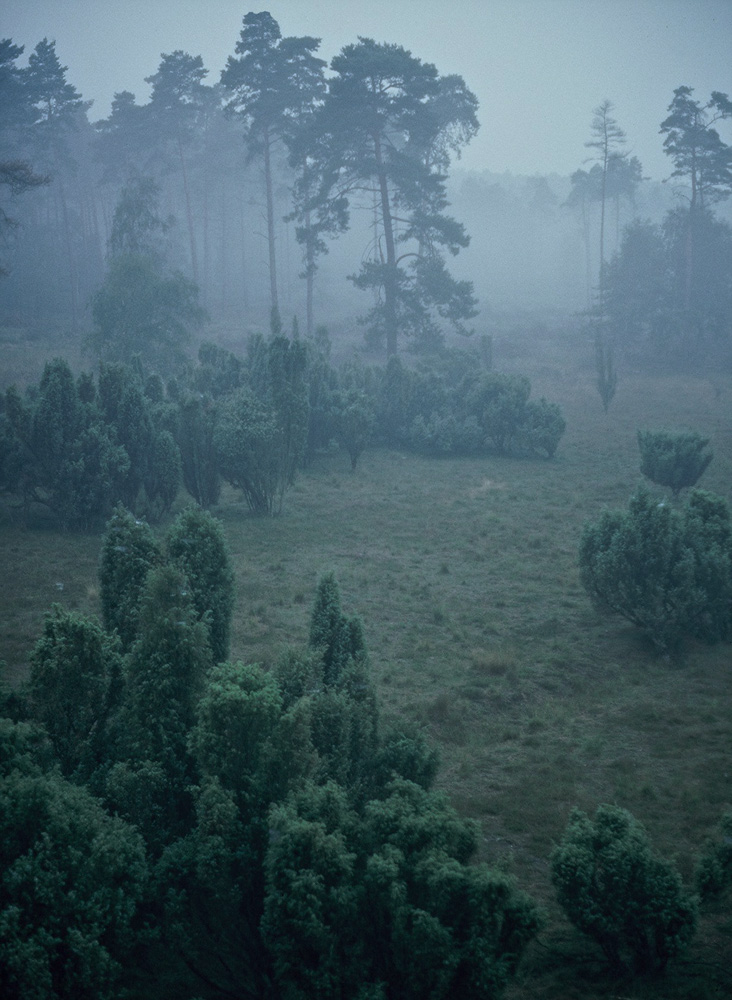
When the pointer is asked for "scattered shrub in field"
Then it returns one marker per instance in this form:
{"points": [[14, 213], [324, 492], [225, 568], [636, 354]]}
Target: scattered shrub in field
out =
{"points": [[673, 459], [714, 866], [499, 402], [262, 428], [354, 422], [667, 571], [542, 427], [335, 637], [618, 891]]}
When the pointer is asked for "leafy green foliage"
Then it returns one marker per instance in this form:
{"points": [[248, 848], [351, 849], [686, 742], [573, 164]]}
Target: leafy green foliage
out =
{"points": [[137, 416], [71, 878], [62, 454], [79, 448], [713, 872], [247, 441], [336, 638], [673, 459], [615, 889], [195, 542], [138, 310], [386, 901], [166, 668], [355, 416], [667, 571], [74, 684], [129, 552]]}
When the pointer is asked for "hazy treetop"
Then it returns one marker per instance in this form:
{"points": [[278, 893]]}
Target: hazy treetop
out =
{"points": [[538, 67]]}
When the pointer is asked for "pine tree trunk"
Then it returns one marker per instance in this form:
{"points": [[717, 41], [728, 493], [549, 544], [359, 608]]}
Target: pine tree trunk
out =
{"points": [[270, 222], [189, 214], [390, 277]]}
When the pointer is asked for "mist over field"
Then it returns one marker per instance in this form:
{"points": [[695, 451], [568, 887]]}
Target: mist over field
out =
{"points": [[365, 483]]}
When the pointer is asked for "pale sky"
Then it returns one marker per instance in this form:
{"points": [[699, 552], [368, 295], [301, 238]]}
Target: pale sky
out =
{"points": [[538, 67]]}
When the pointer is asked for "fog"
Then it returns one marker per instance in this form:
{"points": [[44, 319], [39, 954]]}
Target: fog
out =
{"points": [[538, 69]]}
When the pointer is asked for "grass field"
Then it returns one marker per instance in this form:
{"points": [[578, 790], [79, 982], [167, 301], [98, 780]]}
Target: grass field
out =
{"points": [[465, 574]]}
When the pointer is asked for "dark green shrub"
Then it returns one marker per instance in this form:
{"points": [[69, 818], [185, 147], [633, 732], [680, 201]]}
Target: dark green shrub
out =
{"points": [[542, 427], [195, 542], [499, 402], [673, 459], [250, 452], [80, 448], [129, 552], [714, 866], [74, 684], [356, 901], [335, 637], [354, 422], [137, 423], [199, 459], [71, 879], [614, 888], [63, 455], [667, 571]]}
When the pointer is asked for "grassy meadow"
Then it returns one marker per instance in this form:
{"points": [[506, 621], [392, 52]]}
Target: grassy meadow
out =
{"points": [[465, 574]]}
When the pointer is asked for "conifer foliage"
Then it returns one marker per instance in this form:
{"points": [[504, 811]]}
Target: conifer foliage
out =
{"points": [[667, 571], [267, 832], [616, 889]]}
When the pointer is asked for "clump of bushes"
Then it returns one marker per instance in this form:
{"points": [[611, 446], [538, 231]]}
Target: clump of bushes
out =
{"points": [[674, 459], [269, 834], [667, 571], [457, 406], [78, 446], [617, 890]]}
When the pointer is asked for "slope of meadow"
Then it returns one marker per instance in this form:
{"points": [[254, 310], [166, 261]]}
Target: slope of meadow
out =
{"points": [[465, 574]]}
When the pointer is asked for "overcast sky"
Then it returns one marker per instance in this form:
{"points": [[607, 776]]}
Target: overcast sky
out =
{"points": [[538, 67]]}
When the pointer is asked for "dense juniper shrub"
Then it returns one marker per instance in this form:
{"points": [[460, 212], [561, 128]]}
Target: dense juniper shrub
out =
{"points": [[668, 571], [616, 889], [268, 839], [673, 459], [80, 446], [456, 405]]}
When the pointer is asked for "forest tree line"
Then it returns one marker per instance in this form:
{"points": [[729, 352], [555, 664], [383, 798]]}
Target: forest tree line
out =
{"points": [[260, 172]]}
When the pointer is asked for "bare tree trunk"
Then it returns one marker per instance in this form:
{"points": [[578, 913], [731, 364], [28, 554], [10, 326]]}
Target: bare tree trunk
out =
{"points": [[309, 277], [390, 277], [224, 254], [69, 250], [189, 214], [270, 222]]}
